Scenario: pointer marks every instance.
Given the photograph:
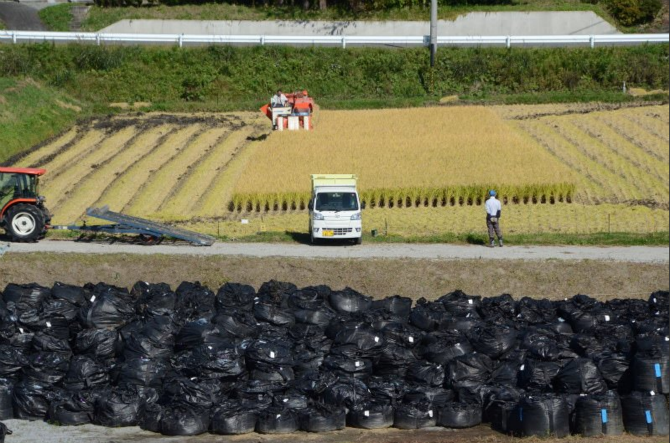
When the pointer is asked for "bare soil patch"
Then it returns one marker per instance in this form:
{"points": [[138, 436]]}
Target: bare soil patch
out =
{"points": [[553, 279]]}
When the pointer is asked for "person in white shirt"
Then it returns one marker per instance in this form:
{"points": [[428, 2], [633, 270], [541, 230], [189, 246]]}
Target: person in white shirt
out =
{"points": [[493, 209], [278, 99]]}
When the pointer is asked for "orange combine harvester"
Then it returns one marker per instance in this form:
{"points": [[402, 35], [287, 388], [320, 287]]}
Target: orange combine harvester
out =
{"points": [[296, 115]]}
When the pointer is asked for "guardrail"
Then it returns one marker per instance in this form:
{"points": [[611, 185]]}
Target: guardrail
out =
{"points": [[329, 40]]}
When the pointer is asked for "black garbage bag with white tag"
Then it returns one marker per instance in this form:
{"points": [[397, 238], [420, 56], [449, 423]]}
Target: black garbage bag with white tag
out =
{"points": [[232, 418], [469, 370], [321, 417], [110, 308], [459, 415], [645, 414], [371, 416], [154, 299], [459, 303], [348, 393], [598, 415], [277, 420], [415, 416]]}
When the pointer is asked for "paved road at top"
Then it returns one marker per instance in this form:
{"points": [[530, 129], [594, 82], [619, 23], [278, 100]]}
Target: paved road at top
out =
{"points": [[639, 254], [20, 17]]}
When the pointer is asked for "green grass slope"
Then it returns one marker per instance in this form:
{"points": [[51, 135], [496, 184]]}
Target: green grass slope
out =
{"points": [[31, 113]]}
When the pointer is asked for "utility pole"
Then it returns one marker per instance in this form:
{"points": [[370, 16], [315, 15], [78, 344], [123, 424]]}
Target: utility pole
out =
{"points": [[433, 31]]}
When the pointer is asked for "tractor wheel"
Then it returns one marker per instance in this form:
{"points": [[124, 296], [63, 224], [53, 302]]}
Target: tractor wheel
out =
{"points": [[25, 223]]}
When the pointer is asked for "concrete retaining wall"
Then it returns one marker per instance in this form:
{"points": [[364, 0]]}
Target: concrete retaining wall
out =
{"points": [[475, 23]]}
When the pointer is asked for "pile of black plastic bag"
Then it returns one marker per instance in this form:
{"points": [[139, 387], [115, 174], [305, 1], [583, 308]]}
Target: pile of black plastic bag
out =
{"points": [[283, 359]]}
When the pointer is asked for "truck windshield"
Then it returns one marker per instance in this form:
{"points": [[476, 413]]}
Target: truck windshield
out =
{"points": [[336, 201]]}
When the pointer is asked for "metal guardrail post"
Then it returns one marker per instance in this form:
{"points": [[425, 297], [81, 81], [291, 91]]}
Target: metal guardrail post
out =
{"points": [[592, 41], [97, 39], [262, 40], [508, 41], [14, 37], [181, 40], [344, 42]]}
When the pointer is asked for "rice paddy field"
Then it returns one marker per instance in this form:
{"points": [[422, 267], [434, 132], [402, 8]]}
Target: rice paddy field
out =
{"points": [[558, 168]]}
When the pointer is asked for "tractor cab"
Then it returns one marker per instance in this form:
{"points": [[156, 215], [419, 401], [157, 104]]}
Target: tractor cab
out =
{"points": [[22, 211]]}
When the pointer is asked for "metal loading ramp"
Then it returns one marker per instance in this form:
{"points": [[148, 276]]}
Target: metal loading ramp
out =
{"points": [[126, 224]]}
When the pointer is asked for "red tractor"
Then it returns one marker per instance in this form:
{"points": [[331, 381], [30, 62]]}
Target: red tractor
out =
{"points": [[22, 212]]}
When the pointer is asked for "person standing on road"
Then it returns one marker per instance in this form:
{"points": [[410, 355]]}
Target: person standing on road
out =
{"points": [[493, 210]]}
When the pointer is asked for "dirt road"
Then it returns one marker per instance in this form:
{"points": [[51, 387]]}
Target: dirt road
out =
{"points": [[633, 254], [20, 17]]}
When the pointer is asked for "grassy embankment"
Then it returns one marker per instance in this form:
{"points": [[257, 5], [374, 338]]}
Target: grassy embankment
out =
{"points": [[31, 113]]}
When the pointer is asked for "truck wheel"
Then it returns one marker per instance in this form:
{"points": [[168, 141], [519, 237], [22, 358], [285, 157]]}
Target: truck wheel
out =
{"points": [[359, 241], [25, 223]]}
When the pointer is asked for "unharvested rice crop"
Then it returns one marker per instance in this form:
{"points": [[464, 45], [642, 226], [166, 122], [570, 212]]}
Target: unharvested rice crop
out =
{"points": [[409, 158]]}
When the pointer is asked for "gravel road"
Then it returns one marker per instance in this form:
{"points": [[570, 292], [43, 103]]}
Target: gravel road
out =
{"points": [[636, 254], [20, 17]]}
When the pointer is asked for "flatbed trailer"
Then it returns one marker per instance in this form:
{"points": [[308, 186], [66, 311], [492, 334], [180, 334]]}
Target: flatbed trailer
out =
{"points": [[126, 224]]}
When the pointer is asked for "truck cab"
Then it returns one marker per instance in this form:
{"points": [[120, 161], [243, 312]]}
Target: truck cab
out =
{"points": [[335, 208]]}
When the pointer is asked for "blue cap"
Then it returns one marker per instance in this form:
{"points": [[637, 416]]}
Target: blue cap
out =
{"points": [[492, 193]]}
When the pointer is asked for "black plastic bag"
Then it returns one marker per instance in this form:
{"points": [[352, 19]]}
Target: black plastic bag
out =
{"points": [[109, 308], [72, 294], [347, 393], [47, 343], [349, 301], [235, 296], [371, 416], [429, 316], [73, 409], [231, 418], [213, 361], [272, 373], [318, 317], [26, 297], [152, 338], [426, 373], [537, 375], [310, 297], [414, 416], [6, 392], [535, 312], [142, 372], [502, 307], [322, 418], [191, 392], [399, 307], [184, 420], [441, 348], [151, 418], [459, 303], [85, 373], [60, 308], [119, 407], [616, 371], [394, 360], [270, 313], [544, 415], [194, 301], [494, 340], [580, 376], [597, 415], [274, 352], [12, 360], [237, 324], [31, 400], [436, 397], [37, 321], [651, 374], [154, 299], [277, 420], [195, 333], [387, 390], [47, 367], [645, 414], [98, 343], [367, 341], [3, 432], [459, 415], [348, 367], [469, 370]]}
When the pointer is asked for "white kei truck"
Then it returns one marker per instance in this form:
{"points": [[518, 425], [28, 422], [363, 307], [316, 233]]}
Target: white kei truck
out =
{"points": [[335, 208]]}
